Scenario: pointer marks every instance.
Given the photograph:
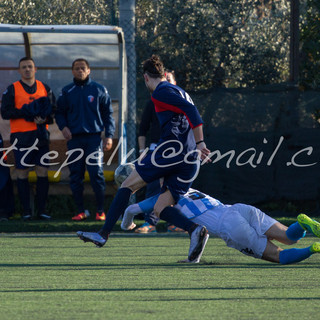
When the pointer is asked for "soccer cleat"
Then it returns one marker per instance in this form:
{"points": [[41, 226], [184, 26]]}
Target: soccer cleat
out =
{"points": [[26, 217], [44, 216], [146, 228], [199, 238], [315, 248], [81, 216], [93, 237], [309, 224], [173, 228], [100, 216]]}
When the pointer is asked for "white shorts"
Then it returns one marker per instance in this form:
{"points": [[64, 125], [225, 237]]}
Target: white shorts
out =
{"points": [[241, 226]]}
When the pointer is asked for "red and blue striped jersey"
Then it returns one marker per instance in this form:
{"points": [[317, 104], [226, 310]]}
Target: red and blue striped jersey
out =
{"points": [[177, 114]]}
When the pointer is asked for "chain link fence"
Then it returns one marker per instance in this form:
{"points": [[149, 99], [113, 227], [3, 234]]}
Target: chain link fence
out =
{"points": [[237, 59]]}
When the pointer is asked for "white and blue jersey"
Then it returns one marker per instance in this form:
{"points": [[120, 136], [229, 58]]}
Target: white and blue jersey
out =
{"points": [[191, 204], [194, 203], [241, 226]]}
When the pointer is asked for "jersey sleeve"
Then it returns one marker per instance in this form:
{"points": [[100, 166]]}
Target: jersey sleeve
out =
{"points": [[8, 110], [106, 112], [147, 205], [61, 111]]}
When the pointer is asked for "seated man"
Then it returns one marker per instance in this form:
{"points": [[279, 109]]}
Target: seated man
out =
{"points": [[242, 227]]}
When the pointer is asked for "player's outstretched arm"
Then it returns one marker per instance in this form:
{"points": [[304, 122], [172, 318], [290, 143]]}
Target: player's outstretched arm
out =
{"points": [[127, 221]]}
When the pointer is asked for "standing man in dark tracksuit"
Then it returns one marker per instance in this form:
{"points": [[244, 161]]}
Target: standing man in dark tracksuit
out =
{"points": [[84, 111], [28, 105]]}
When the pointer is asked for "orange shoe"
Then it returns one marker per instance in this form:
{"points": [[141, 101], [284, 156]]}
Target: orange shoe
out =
{"points": [[81, 216], [146, 228], [173, 228], [100, 216]]}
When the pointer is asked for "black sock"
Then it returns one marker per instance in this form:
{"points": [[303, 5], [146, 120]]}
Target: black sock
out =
{"points": [[42, 194], [24, 195], [152, 218], [117, 208], [175, 217]]}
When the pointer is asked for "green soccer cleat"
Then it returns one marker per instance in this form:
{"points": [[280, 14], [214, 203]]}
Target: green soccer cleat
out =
{"points": [[315, 247], [309, 224]]}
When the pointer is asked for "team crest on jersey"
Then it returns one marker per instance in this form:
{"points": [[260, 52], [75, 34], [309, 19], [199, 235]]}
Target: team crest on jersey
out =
{"points": [[90, 98]]}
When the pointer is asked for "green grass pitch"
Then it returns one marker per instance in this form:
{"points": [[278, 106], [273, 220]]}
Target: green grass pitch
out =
{"points": [[138, 277]]}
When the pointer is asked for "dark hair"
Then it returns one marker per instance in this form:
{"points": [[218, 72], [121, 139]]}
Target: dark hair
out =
{"points": [[153, 67], [80, 60], [25, 59]]}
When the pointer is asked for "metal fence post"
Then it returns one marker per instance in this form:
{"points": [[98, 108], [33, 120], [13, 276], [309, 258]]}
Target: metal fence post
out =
{"points": [[127, 23]]}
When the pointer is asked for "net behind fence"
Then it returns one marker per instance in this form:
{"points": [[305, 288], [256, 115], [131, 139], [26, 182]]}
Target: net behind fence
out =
{"points": [[265, 144]]}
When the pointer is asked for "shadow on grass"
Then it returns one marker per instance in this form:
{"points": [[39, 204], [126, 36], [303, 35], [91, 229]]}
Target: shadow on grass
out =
{"points": [[72, 234], [232, 265], [237, 298]]}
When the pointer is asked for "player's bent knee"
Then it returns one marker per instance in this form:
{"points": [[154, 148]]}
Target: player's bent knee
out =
{"points": [[134, 182]]}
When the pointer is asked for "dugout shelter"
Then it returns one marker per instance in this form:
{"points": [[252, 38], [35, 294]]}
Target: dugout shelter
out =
{"points": [[54, 48]]}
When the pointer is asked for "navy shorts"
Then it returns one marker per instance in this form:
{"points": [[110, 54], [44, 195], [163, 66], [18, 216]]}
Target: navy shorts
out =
{"points": [[178, 174], [32, 158]]}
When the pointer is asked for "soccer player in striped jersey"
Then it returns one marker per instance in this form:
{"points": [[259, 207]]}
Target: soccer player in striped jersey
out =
{"points": [[242, 227]]}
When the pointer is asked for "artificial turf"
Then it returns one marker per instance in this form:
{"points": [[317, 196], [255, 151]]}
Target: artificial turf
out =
{"points": [[50, 276]]}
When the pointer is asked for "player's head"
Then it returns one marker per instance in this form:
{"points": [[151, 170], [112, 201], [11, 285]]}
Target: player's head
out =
{"points": [[25, 59], [170, 76], [80, 69], [81, 60], [27, 69], [153, 72], [153, 67]]}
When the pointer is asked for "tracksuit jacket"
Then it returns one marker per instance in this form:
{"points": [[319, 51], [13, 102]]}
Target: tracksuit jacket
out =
{"points": [[85, 107]]}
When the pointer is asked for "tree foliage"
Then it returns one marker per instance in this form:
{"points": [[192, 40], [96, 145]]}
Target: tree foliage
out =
{"points": [[28, 12], [217, 43], [310, 44], [233, 43]]}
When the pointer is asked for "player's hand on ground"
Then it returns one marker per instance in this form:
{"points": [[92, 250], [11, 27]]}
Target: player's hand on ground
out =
{"points": [[66, 133], [132, 226], [203, 152], [107, 144]]}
